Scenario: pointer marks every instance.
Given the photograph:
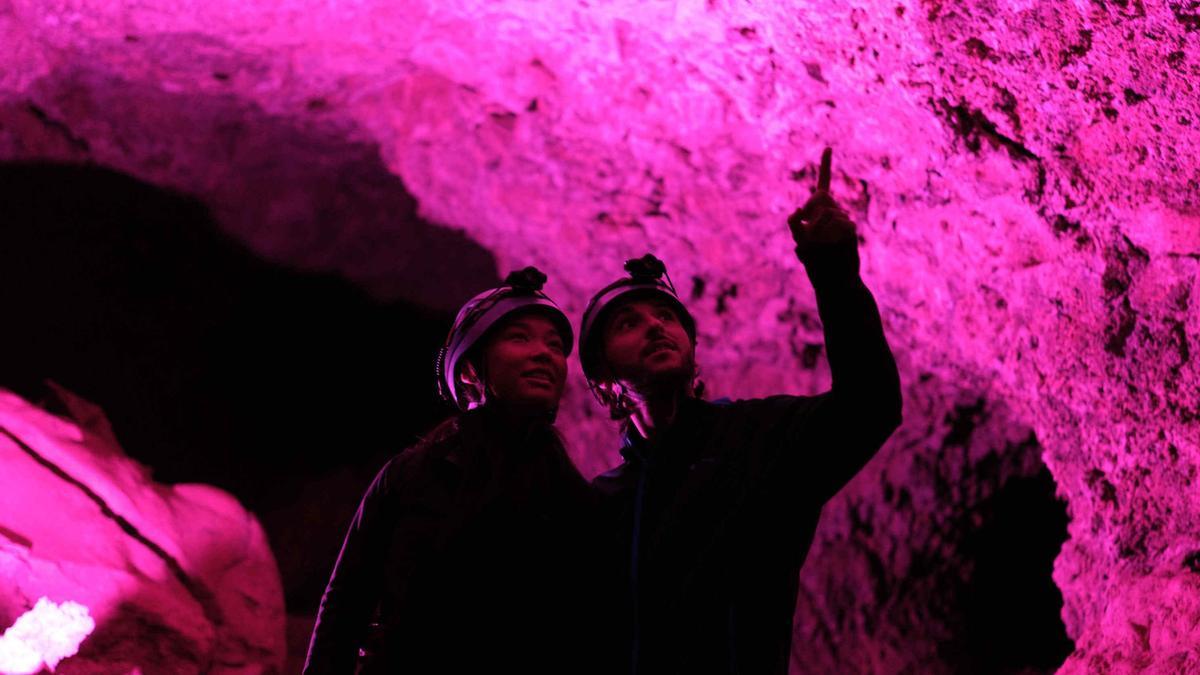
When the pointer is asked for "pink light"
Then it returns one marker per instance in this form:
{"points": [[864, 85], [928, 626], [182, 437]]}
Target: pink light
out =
{"points": [[44, 635]]}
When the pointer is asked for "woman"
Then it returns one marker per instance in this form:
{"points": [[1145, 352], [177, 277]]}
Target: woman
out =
{"points": [[468, 551]]}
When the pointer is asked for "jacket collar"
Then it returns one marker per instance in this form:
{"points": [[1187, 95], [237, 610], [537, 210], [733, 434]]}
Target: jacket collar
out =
{"points": [[481, 431], [636, 448]]}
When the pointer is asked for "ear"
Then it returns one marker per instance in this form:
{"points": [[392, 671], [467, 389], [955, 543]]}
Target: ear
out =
{"points": [[467, 374], [605, 391], [470, 384], [612, 396], [607, 387]]}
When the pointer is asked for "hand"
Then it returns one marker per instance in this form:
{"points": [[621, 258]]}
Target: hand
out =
{"points": [[821, 221]]}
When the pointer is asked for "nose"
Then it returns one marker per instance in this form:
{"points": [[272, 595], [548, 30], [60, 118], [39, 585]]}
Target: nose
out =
{"points": [[654, 325], [542, 352]]}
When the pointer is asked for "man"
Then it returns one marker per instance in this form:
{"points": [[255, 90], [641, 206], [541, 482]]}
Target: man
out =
{"points": [[715, 504], [469, 551]]}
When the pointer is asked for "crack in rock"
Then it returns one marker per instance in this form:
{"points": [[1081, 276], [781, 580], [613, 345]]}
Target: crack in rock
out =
{"points": [[16, 537], [204, 597], [59, 127]]}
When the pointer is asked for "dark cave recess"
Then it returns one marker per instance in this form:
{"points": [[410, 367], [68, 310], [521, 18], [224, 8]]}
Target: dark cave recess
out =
{"points": [[1011, 607], [212, 365]]}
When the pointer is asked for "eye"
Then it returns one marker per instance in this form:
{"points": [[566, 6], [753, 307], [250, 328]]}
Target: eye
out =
{"points": [[666, 315], [518, 336]]}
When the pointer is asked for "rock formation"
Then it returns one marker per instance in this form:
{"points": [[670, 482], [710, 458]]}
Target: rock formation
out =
{"points": [[178, 579]]}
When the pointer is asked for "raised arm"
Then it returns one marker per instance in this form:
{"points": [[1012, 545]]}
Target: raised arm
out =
{"points": [[864, 406]]}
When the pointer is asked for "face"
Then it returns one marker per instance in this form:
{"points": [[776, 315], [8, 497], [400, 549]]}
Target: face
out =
{"points": [[525, 362], [646, 345]]}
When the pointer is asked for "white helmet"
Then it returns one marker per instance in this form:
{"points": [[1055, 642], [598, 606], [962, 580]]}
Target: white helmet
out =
{"points": [[520, 290]]}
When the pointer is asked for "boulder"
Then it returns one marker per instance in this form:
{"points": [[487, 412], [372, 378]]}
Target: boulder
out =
{"points": [[177, 578]]}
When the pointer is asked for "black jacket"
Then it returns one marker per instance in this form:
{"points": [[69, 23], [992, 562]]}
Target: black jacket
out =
{"points": [[715, 516], [469, 553]]}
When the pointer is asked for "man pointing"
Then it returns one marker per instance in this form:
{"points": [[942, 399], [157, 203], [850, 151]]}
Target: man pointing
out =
{"points": [[715, 504]]}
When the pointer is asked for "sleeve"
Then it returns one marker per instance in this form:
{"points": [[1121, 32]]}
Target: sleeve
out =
{"points": [[350, 597], [844, 427]]}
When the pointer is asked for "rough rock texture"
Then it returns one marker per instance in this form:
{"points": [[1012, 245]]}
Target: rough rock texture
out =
{"points": [[178, 579], [1023, 175]]}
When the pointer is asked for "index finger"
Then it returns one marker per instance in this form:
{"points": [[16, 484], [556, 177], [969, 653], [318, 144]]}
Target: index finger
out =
{"points": [[824, 172]]}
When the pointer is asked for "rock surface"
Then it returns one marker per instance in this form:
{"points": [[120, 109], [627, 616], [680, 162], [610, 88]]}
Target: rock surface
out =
{"points": [[1023, 176], [178, 579]]}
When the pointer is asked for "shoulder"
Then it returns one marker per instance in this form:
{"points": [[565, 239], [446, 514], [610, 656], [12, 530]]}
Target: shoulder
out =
{"points": [[430, 457], [727, 406], [781, 403], [758, 415]]}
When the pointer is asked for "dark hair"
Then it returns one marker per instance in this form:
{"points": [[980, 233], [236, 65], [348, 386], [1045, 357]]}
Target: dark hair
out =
{"points": [[620, 406]]}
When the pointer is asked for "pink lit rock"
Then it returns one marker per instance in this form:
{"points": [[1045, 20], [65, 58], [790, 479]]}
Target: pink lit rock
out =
{"points": [[178, 579], [1023, 175]]}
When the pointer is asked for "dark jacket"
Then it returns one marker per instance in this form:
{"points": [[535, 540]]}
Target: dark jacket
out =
{"points": [[469, 553], [715, 516]]}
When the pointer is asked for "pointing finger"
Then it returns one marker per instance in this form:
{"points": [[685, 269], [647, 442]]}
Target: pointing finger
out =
{"points": [[823, 174]]}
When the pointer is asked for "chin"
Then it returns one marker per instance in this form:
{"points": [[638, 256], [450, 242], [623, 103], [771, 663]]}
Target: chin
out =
{"points": [[668, 367], [656, 378], [545, 401]]}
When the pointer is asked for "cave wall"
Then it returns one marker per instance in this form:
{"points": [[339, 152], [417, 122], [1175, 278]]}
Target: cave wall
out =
{"points": [[1023, 176]]}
